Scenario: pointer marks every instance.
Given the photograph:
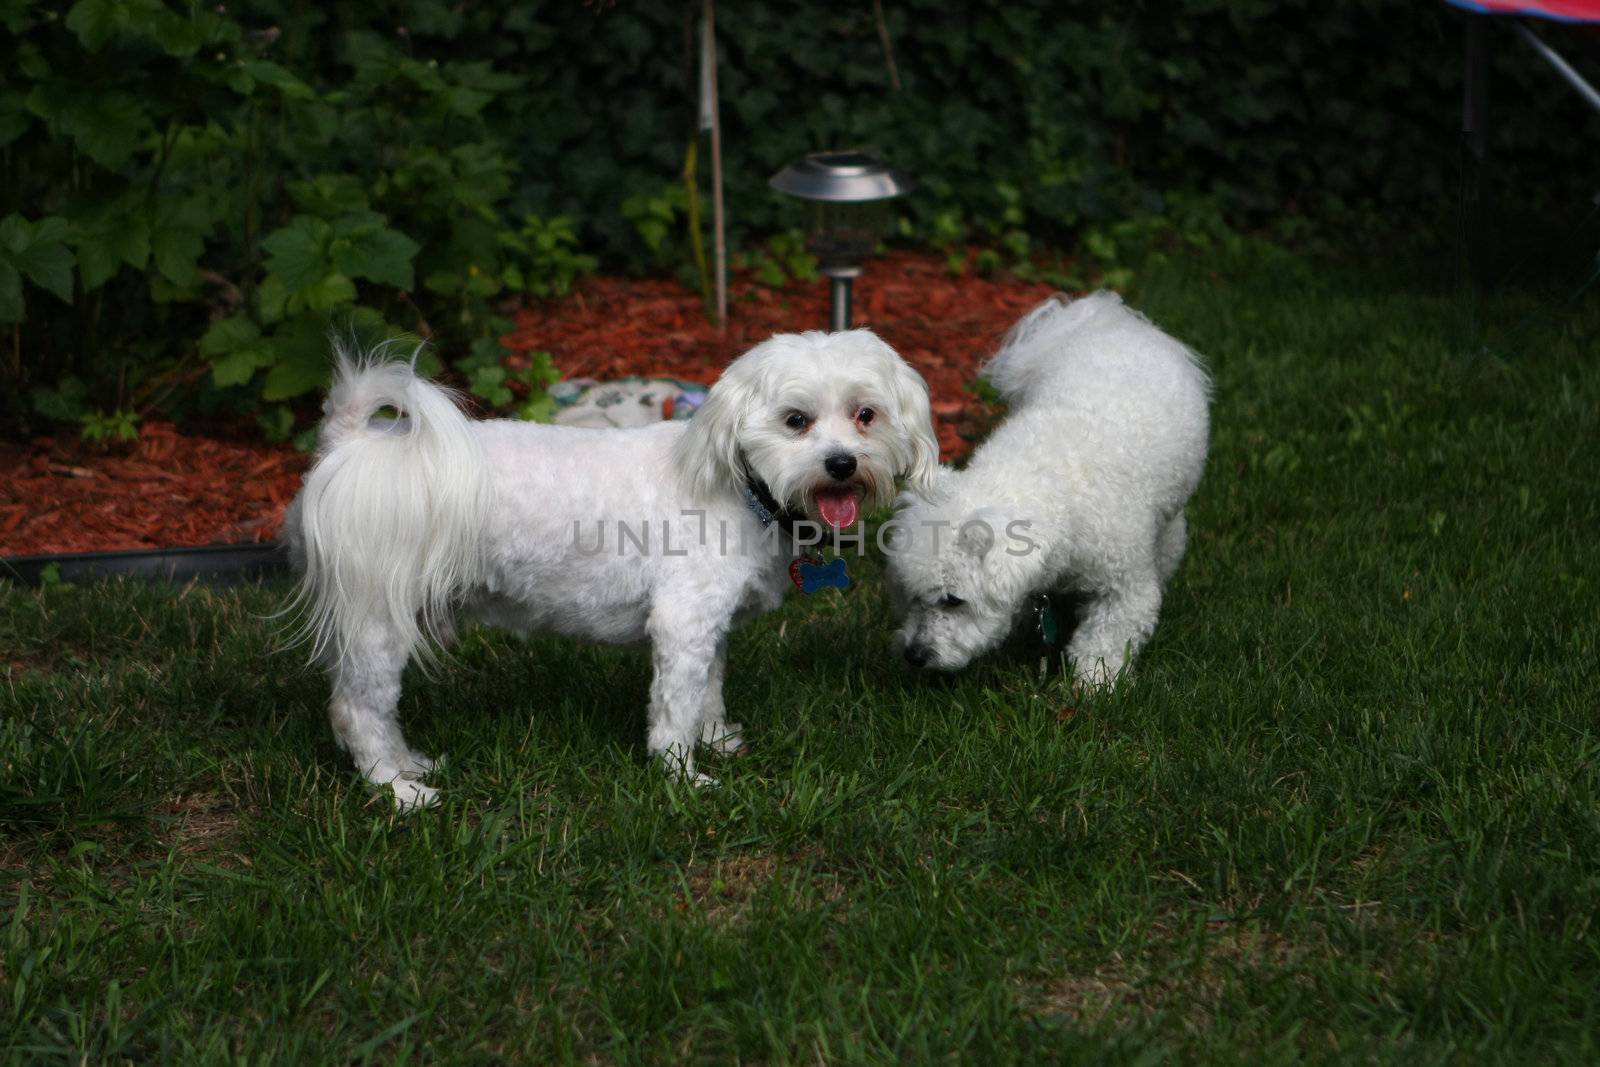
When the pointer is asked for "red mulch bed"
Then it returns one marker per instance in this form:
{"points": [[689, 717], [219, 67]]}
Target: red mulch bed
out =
{"points": [[171, 489]]}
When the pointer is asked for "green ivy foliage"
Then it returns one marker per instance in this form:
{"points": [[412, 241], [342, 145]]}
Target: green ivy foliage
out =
{"points": [[191, 195], [1026, 121]]}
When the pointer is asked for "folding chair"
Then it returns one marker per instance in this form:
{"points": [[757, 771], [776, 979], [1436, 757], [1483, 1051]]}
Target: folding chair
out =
{"points": [[1476, 208]]}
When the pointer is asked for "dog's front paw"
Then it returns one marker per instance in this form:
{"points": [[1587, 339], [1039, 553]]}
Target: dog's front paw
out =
{"points": [[410, 795], [415, 765], [679, 768], [723, 736], [400, 773], [1093, 676]]}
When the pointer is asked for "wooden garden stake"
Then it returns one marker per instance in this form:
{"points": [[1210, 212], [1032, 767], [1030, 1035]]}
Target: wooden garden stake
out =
{"points": [[709, 108]]}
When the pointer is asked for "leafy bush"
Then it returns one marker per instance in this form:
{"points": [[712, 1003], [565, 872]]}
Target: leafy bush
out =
{"points": [[209, 214]]}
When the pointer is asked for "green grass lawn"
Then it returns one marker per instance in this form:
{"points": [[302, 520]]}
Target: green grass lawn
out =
{"points": [[1349, 809]]}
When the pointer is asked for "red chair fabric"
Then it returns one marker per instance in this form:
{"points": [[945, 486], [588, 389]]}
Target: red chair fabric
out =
{"points": [[1560, 10]]}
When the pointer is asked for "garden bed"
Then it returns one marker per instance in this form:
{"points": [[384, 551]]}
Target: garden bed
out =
{"points": [[173, 489]]}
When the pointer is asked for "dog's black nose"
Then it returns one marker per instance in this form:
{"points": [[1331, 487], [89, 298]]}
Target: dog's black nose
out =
{"points": [[841, 465], [917, 655]]}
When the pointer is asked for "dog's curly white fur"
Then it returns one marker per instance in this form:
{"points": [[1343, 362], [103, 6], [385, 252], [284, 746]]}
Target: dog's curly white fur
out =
{"points": [[405, 526], [1081, 488]]}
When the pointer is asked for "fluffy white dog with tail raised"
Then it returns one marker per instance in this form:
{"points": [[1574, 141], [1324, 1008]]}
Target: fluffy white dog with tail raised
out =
{"points": [[1081, 488], [666, 534]]}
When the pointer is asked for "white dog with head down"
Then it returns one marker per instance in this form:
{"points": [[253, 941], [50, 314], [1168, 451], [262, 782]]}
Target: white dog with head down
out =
{"points": [[1081, 489], [668, 533]]}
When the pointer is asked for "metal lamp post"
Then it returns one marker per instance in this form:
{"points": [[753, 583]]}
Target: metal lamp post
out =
{"points": [[847, 198]]}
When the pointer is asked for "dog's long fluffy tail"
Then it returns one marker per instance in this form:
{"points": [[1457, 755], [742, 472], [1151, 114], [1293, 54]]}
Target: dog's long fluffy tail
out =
{"points": [[389, 522], [1038, 340]]}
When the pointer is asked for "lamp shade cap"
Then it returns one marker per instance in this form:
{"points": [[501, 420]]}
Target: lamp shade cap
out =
{"points": [[845, 176]]}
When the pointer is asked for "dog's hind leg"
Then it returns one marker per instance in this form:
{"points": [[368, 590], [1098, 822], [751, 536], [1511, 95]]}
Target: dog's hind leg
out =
{"points": [[364, 714], [1114, 627], [715, 730], [1170, 543]]}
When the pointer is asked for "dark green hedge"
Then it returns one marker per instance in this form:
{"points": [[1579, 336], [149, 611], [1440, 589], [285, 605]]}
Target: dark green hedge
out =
{"points": [[190, 194], [1044, 116]]}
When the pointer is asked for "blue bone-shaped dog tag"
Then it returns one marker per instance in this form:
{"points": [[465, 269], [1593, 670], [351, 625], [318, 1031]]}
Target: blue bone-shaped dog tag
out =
{"points": [[814, 576]]}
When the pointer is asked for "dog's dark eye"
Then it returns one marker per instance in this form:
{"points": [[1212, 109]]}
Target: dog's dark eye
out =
{"points": [[797, 420], [950, 600], [865, 416]]}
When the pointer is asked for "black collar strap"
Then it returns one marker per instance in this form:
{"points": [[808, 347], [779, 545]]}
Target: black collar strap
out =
{"points": [[758, 498]]}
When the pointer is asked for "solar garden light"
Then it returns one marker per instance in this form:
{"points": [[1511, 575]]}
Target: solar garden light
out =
{"points": [[847, 198]]}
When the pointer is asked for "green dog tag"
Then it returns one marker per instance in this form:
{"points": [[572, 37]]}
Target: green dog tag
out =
{"points": [[1046, 622]]}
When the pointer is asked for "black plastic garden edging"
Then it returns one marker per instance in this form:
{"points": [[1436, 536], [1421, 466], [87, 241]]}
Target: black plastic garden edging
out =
{"points": [[218, 564]]}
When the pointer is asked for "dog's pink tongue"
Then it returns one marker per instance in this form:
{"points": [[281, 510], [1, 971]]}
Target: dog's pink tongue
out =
{"points": [[838, 509]]}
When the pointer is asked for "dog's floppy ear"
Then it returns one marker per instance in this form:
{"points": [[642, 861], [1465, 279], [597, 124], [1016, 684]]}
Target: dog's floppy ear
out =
{"points": [[707, 455], [934, 489], [915, 415]]}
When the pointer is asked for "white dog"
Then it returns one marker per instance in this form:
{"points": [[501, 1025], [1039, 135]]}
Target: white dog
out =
{"points": [[1081, 488], [667, 533]]}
